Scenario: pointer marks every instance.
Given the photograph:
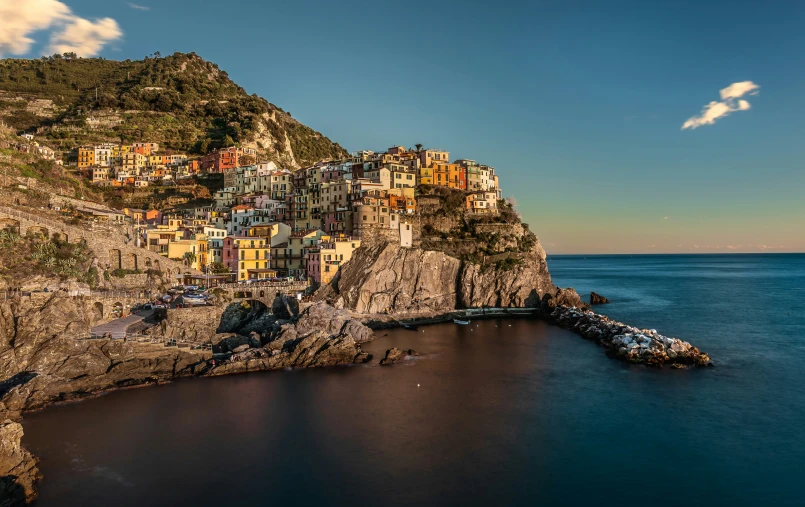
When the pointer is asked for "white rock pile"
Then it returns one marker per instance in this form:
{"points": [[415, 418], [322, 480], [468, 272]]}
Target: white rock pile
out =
{"points": [[628, 343]]}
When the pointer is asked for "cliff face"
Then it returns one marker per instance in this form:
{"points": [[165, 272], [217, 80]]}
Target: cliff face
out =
{"points": [[41, 362], [412, 280], [18, 471]]}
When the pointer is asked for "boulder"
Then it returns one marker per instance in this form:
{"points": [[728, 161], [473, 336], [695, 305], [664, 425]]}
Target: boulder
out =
{"points": [[285, 307], [395, 355], [597, 299]]}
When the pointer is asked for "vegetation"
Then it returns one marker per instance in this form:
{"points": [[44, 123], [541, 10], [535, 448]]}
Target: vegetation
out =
{"points": [[180, 101], [219, 268], [31, 255]]}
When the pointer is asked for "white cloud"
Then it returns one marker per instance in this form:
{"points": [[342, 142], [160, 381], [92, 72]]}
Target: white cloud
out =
{"points": [[22, 18], [85, 37], [737, 90], [139, 7], [665, 218], [728, 104]]}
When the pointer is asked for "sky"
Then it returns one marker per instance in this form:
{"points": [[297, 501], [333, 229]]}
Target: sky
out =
{"points": [[617, 126]]}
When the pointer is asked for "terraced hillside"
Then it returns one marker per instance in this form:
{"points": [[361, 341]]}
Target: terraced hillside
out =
{"points": [[180, 101]]}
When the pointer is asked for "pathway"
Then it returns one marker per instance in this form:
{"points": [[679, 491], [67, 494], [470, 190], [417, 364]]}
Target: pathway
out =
{"points": [[119, 327]]}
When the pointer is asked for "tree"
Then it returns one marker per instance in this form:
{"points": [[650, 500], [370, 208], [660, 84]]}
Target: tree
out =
{"points": [[190, 258], [219, 268], [418, 147]]}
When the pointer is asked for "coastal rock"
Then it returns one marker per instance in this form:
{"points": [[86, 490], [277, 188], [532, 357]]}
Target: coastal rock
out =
{"points": [[561, 297], [42, 360], [597, 299], [386, 277], [395, 355], [285, 307], [644, 346], [321, 336], [18, 470]]}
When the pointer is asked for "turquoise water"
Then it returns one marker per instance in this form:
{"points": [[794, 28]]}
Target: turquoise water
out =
{"points": [[502, 412]]}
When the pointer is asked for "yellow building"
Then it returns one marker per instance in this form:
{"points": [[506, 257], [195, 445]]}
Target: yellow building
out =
{"points": [[158, 239], [289, 257], [425, 175], [252, 258], [86, 157], [193, 252], [333, 252]]}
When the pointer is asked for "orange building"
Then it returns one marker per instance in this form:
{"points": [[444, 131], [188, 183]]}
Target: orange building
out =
{"points": [[86, 157], [450, 175]]}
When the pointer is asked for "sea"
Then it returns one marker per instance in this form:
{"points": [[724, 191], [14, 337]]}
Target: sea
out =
{"points": [[499, 412]]}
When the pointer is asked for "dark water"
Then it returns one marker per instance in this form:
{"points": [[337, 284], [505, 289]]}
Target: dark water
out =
{"points": [[492, 415]]}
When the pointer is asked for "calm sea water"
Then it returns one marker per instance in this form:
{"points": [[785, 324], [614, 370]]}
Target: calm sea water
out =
{"points": [[496, 413]]}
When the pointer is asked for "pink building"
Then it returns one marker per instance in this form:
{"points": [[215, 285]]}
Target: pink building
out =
{"points": [[331, 174], [313, 267]]}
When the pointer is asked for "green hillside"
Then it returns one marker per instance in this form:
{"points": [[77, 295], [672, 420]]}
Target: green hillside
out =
{"points": [[180, 101]]}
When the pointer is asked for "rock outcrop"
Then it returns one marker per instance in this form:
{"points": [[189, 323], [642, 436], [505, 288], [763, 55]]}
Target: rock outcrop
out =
{"points": [[18, 470], [597, 299], [389, 277], [645, 346], [321, 336], [42, 361], [395, 355]]}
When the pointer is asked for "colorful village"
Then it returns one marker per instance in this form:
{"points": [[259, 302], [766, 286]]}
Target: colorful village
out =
{"points": [[268, 222]]}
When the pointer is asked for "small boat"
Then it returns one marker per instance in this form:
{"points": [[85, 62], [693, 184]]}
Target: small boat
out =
{"points": [[462, 322], [409, 327], [167, 299]]}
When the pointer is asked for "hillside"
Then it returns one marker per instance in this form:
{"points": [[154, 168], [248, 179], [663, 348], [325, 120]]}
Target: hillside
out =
{"points": [[180, 101]]}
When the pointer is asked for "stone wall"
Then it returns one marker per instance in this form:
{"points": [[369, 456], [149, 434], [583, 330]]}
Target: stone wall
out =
{"points": [[109, 246]]}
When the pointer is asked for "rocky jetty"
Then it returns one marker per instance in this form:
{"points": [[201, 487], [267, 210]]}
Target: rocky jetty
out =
{"points": [[597, 299], [18, 470], [644, 346], [395, 355]]}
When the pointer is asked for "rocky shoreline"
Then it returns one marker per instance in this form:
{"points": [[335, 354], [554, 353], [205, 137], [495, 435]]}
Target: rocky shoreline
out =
{"points": [[47, 366]]}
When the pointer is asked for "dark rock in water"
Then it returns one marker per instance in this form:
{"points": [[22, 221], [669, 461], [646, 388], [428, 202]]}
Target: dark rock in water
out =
{"points": [[395, 355], [597, 299], [561, 297], [18, 470], [645, 346]]}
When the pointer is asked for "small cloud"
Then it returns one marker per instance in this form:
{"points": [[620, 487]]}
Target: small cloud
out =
{"points": [[738, 90], [139, 7], [71, 33], [84, 37], [728, 104], [665, 218], [652, 246]]}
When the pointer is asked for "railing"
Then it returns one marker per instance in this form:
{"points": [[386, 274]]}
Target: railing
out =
{"points": [[116, 294], [146, 338], [263, 285]]}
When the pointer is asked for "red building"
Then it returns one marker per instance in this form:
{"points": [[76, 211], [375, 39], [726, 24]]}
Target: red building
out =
{"points": [[221, 160]]}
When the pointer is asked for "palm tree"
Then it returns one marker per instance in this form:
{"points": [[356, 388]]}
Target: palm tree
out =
{"points": [[190, 258], [418, 147]]}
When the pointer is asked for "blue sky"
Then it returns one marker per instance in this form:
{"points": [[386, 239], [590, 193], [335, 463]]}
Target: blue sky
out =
{"points": [[578, 104]]}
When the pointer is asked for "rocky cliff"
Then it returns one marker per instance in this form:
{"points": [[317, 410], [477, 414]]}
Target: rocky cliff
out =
{"points": [[18, 471], [415, 281], [42, 362]]}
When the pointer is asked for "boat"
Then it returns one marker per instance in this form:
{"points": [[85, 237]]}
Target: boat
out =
{"points": [[462, 322], [409, 327]]}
